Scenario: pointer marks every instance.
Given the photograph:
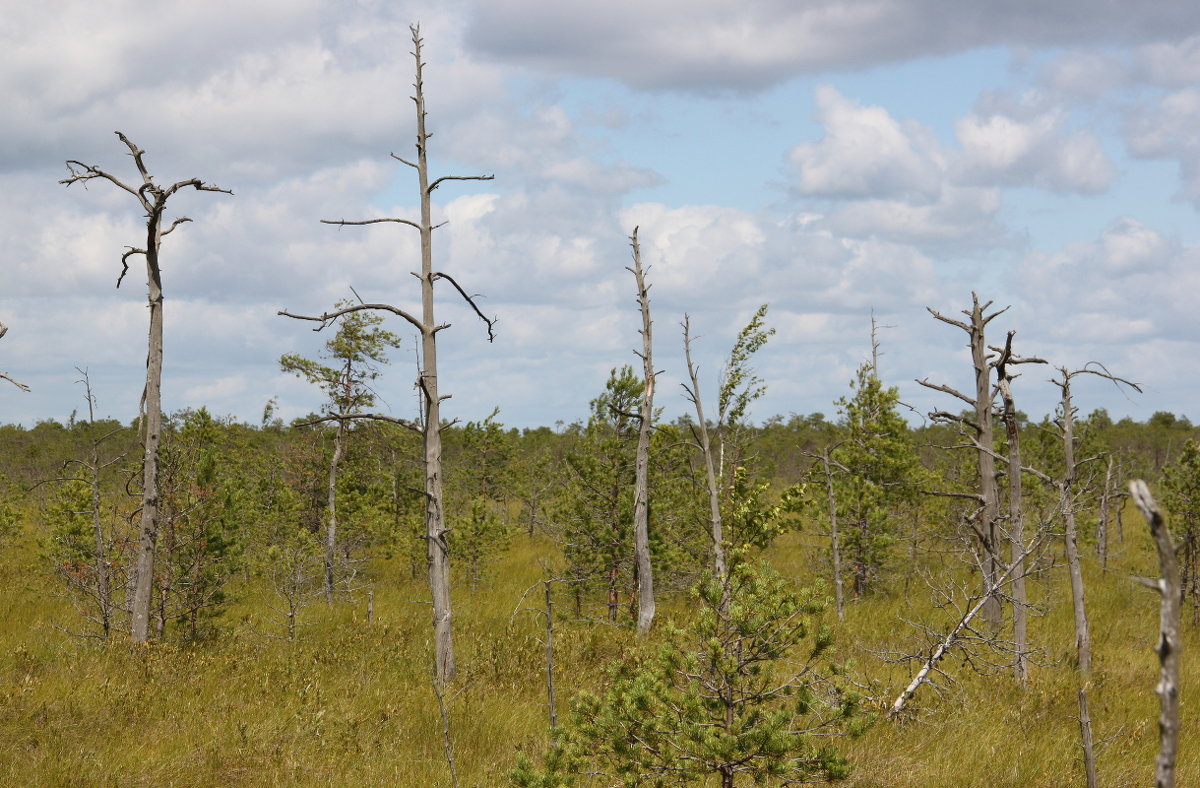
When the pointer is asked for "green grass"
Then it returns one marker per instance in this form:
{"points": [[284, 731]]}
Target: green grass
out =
{"points": [[350, 702]]}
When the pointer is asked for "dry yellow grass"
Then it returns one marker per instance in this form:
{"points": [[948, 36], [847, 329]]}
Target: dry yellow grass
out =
{"points": [[350, 702]]}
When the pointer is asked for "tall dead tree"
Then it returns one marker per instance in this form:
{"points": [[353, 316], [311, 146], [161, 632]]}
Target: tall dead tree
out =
{"points": [[1170, 589], [427, 381], [980, 432], [720, 569], [17, 383], [641, 499], [1005, 360], [153, 199]]}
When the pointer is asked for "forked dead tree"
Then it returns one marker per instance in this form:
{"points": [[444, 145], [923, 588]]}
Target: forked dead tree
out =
{"points": [[641, 500], [17, 383], [1005, 360], [427, 382], [980, 434], [1169, 588], [153, 199]]}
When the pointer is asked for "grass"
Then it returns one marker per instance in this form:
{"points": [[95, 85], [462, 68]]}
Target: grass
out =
{"points": [[350, 702]]}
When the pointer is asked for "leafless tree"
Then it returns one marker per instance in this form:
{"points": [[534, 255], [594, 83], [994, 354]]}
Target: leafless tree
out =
{"points": [[705, 443], [427, 326], [1067, 493], [641, 499], [153, 200], [1005, 360], [17, 383], [1169, 588], [980, 433]]}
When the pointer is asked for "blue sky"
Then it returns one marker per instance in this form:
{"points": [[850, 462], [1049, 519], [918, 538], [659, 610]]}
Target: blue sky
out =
{"points": [[830, 158]]}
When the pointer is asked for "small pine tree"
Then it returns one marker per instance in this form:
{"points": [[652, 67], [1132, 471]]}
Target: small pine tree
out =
{"points": [[735, 695], [882, 471]]}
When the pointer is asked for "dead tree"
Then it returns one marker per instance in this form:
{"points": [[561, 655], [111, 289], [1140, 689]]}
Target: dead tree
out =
{"points": [[153, 199], [1016, 523], [1170, 589], [427, 381], [641, 500], [835, 549], [17, 383], [1066, 489], [980, 434], [961, 629], [710, 470]]}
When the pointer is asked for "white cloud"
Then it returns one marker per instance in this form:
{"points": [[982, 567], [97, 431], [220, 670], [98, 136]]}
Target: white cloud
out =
{"points": [[1170, 129], [866, 152]]}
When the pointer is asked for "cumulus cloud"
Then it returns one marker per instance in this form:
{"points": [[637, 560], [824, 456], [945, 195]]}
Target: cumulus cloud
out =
{"points": [[1170, 129], [866, 152], [1040, 150]]}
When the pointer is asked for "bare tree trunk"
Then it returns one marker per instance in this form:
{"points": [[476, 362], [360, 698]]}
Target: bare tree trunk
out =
{"points": [[151, 432], [1085, 735], [1169, 643], [331, 527], [153, 200], [714, 494], [838, 593], [1102, 523], [1083, 638], [983, 440], [550, 656], [1016, 521], [435, 514], [641, 499], [437, 547], [952, 637]]}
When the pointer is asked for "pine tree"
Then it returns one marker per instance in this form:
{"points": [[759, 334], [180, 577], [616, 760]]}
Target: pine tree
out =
{"points": [[734, 696], [882, 469]]}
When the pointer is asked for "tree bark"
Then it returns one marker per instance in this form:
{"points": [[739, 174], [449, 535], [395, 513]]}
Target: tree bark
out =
{"points": [[331, 527], [1169, 644], [983, 440], [1083, 638], [1016, 521], [153, 200], [714, 493], [641, 499], [835, 547], [151, 433]]}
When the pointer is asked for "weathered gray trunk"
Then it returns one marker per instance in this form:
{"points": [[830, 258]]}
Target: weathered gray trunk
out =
{"points": [[331, 525], [989, 488], [835, 547], [1016, 530], [151, 431], [1168, 648], [641, 499], [435, 514], [710, 472], [1083, 639]]}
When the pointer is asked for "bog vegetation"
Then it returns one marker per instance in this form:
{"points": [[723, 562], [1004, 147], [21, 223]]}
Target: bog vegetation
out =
{"points": [[190, 600]]}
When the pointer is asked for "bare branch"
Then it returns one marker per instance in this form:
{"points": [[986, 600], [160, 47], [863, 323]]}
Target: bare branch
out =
{"points": [[946, 390], [344, 223], [328, 317], [340, 417], [470, 299], [174, 224], [403, 160], [439, 181]]}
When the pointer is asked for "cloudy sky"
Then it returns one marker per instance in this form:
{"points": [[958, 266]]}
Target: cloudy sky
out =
{"points": [[830, 157]]}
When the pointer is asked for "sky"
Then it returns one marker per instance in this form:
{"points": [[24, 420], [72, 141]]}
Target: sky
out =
{"points": [[836, 159]]}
